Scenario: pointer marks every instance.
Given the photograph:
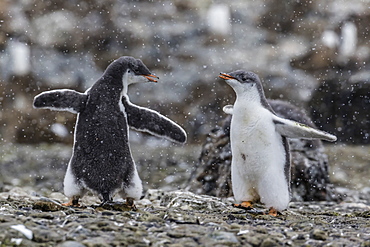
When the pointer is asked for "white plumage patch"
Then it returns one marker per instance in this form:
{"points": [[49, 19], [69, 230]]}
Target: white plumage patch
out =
{"points": [[135, 189], [122, 107], [259, 157], [71, 188]]}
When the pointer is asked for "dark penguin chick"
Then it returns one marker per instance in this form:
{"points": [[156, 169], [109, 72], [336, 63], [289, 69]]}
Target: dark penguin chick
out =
{"points": [[260, 166], [101, 161]]}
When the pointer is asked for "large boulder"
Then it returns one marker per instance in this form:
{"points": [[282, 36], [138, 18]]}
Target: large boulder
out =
{"points": [[342, 105]]}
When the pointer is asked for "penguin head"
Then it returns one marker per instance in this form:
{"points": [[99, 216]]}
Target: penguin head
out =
{"points": [[130, 70], [244, 82], [137, 71]]}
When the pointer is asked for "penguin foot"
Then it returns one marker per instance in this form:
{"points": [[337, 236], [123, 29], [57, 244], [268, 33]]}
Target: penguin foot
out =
{"points": [[273, 212], [130, 203], [72, 203], [244, 205]]}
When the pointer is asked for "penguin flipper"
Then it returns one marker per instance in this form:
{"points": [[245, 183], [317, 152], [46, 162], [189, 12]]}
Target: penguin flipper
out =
{"points": [[228, 109], [292, 129], [61, 100], [146, 120]]}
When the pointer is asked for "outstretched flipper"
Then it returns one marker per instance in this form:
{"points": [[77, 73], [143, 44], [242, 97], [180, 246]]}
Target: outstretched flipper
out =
{"points": [[146, 120], [61, 100], [228, 109], [292, 129]]}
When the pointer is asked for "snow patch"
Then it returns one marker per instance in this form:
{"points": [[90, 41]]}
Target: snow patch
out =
{"points": [[22, 229]]}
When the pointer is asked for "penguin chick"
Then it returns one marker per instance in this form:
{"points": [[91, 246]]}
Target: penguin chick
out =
{"points": [[101, 161], [260, 167]]}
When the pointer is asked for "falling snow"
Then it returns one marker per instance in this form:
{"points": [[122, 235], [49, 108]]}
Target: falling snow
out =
{"points": [[314, 54]]}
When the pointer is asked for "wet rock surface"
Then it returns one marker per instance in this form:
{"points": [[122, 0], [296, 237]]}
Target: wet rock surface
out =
{"points": [[343, 106], [177, 218]]}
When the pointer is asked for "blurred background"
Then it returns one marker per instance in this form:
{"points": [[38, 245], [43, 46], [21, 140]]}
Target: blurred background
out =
{"points": [[314, 54]]}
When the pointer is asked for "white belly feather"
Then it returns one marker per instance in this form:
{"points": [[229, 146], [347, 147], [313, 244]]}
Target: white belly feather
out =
{"points": [[258, 157]]}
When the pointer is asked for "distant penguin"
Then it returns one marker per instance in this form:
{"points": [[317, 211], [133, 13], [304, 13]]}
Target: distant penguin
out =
{"points": [[101, 161], [260, 167]]}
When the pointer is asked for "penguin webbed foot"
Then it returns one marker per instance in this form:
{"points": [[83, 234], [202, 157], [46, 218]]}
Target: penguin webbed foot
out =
{"points": [[73, 202], [247, 205], [273, 212], [130, 203]]}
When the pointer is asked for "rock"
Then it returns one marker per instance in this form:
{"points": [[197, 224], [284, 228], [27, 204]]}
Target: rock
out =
{"points": [[45, 236], [224, 238], [342, 105], [24, 230], [70, 244], [48, 206], [117, 206], [310, 178], [269, 242], [285, 17], [316, 60], [190, 201], [96, 241], [318, 234]]}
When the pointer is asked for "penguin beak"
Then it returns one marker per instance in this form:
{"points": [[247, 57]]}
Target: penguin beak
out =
{"points": [[226, 76], [152, 78]]}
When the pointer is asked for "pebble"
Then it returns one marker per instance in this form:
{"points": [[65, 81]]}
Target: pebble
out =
{"points": [[318, 234], [70, 244]]}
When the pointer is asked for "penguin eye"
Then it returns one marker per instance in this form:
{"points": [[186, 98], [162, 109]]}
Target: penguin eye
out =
{"points": [[246, 79]]}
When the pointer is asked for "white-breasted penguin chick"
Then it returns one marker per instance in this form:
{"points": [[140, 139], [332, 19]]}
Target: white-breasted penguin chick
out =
{"points": [[260, 167], [101, 161]]}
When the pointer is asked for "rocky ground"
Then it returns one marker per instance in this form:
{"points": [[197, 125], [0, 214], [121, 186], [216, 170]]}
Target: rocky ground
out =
{"points": [[31, 213], [177, 218]]}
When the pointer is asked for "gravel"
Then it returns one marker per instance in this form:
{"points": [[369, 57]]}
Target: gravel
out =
{"points": [[177, 218]]}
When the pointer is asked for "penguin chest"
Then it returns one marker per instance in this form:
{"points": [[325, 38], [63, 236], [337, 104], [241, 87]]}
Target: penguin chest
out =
{"points": [[257, 148]]}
